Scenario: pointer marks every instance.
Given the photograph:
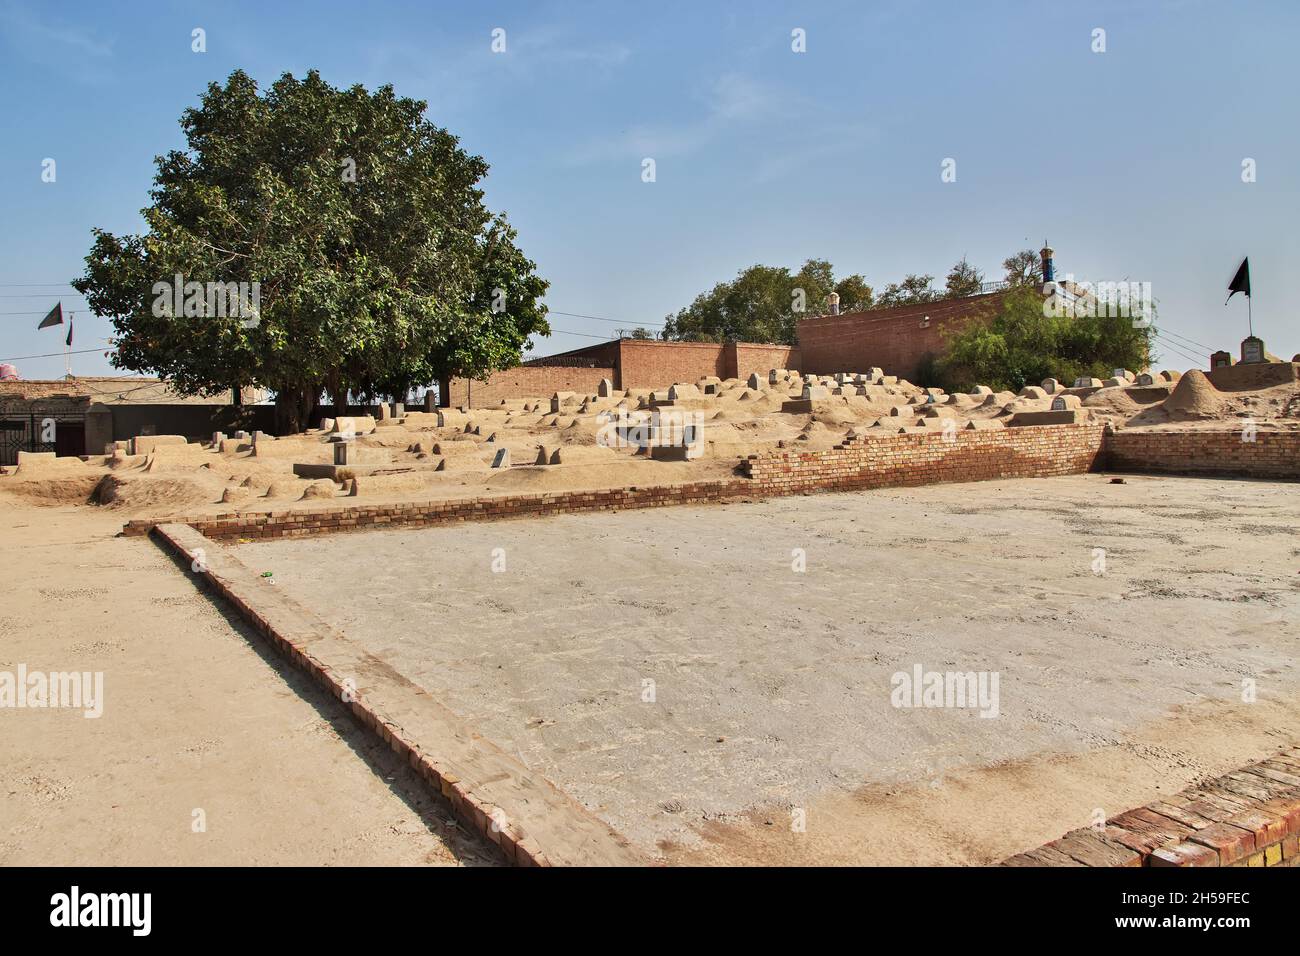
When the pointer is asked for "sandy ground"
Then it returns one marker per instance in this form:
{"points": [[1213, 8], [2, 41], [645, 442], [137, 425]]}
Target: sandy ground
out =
{"points": [[197, 714], [772, 686]]}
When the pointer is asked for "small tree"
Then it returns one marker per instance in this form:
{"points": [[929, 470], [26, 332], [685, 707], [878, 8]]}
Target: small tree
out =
{"points": [[1024, 268], [363, 227], [963, 279], [1019, 345], [913, 288]]}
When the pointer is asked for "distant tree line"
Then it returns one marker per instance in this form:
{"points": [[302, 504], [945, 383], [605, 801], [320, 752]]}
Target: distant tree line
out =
{"points": [[764, 303]]}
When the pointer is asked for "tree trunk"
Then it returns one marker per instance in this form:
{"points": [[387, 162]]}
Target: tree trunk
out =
{"points": [[293, 408]]}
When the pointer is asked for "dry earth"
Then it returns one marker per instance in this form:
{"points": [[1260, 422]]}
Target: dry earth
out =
{"points": [[197, 714]]}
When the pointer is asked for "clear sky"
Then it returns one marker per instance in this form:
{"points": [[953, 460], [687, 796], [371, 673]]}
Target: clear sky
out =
{"points": [[1128, 161]]}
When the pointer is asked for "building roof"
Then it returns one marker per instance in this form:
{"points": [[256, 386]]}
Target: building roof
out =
{"points": [[113, 390]]}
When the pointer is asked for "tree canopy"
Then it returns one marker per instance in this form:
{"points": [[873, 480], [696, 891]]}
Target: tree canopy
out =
{"points": [[377, 264], [1023, 268], [1019, 345], [764, 303]]}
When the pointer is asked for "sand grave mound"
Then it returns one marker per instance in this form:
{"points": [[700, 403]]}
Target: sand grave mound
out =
{"points": [[320, 488], [72, 489], [1194, 398], [285, 488], [154, 491]]}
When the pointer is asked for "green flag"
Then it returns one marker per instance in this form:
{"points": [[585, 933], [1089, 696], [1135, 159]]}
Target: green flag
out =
{"points": [[54, 318]]}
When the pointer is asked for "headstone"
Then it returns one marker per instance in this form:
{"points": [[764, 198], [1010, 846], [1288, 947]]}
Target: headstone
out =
{"points": [[385, 413], [1123, 373], [605, 389], [560, 398], [754, 382], [1146, 378], [981, 390], [502, 458], [815, 392], [242, 435], [261, 436], [345, 453], [1252, 350], [1221, 359], [399, 409], [773, 376], [217, 439], [1050, 385], [1065, 403]]}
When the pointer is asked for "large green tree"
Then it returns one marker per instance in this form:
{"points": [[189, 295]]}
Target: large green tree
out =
{"points": [[764, 304], [378, 264]]}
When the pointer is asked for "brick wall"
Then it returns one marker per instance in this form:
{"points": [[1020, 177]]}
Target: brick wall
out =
{"points": [[628, 363], [1236, 378], [523, 381], [896, 340], [1200, 452], [1029, 452], [889, 460], [648, 364], [745, 358]]}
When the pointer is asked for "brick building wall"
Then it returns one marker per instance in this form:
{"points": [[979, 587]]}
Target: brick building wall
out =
{"points": [[652, 364], [747, 358], [896, 340], [522, 381], [628, 363]]}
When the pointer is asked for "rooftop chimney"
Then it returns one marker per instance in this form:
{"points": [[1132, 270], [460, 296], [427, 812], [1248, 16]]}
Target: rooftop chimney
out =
{"points": [[834, 301]]}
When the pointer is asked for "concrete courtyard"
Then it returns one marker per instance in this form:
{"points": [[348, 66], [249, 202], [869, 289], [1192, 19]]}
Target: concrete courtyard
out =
{"points": [[719, 683]]}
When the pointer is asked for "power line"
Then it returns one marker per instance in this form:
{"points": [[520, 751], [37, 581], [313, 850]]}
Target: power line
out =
{"points": [[21, 358], [1190, 341], [1180, 351], [601, 318]]}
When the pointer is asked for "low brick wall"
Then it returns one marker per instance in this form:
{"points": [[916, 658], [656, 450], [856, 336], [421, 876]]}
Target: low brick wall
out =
{"points": [[1250, 817], [898, 460], [1272, 455], [877, 462]]}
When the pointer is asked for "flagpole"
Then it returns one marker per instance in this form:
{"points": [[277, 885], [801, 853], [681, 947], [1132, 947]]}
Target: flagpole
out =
{"points": [[67, 358]]}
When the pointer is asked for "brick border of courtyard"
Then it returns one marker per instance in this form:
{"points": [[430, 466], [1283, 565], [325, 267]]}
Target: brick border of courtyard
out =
{"points": [[522, 813], [1250, 817], [862, 462], [859, 463]]}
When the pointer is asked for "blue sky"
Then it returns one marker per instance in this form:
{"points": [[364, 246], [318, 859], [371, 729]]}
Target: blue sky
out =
{"points": [[1128, 161]]}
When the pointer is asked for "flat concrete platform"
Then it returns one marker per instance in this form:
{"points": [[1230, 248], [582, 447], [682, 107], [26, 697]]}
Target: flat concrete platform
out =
{"points": [[717, 683]]}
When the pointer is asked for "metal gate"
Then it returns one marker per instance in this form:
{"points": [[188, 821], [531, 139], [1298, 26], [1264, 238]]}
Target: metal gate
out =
{"points": [[39, 430]]}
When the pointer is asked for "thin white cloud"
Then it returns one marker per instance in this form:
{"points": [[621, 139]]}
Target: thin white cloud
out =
{"points": [[33, 36]]}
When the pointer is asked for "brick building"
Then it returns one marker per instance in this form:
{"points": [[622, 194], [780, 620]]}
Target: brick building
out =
{"points": [[627, 363], [80, 415], [897, 340]]}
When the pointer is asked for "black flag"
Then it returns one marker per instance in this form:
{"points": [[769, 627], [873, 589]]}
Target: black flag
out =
{"points": [[68, 342], [54, 318], [1241, 281]]}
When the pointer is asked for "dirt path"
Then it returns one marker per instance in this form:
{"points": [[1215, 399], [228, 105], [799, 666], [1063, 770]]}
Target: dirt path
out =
{"points": [[197, 716]]}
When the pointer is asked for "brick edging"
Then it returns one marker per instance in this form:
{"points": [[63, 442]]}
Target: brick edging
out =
{"points": [[875, 462], [293, 632], [1249, 817]]}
